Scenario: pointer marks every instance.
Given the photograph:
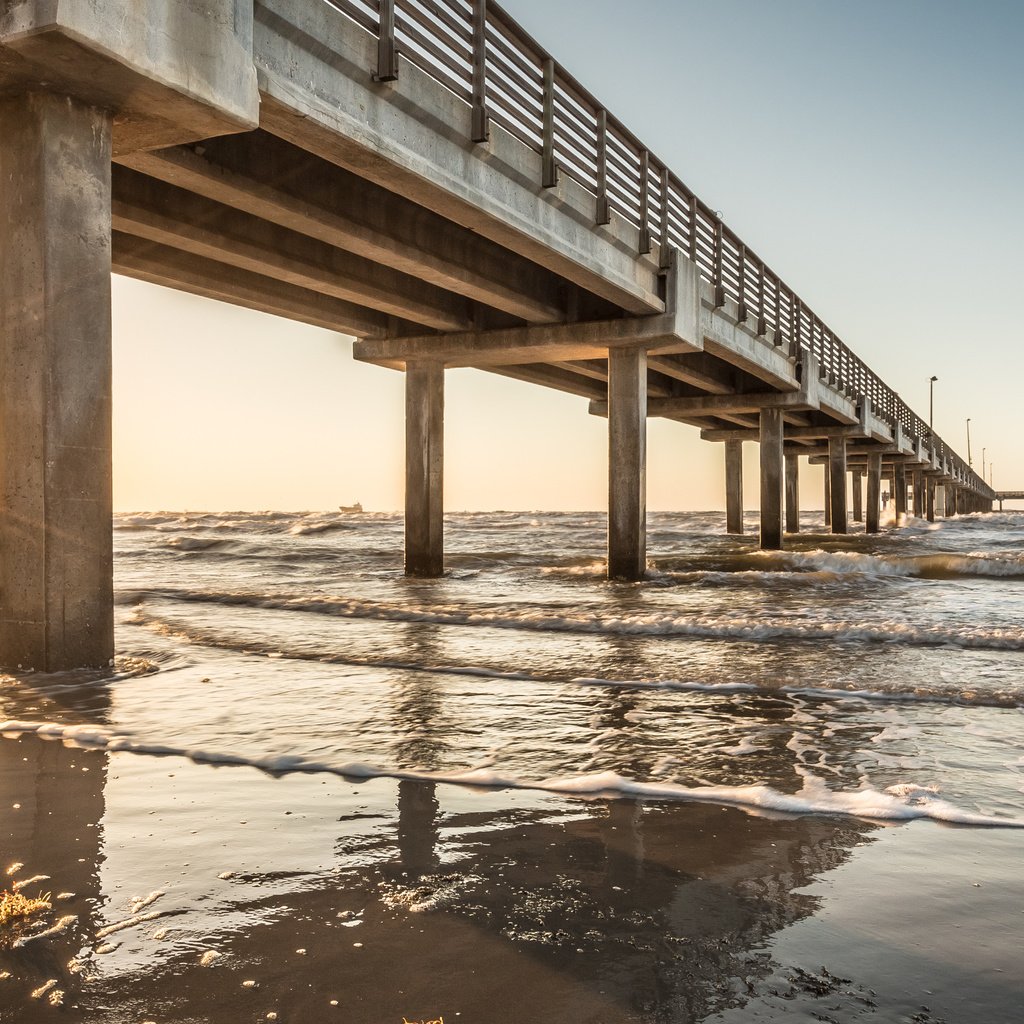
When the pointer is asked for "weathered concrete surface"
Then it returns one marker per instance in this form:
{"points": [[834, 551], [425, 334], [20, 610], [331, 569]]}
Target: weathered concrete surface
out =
{"points": [[734, 487], [424, 469], [837, 484], [172, 70], [792, 493], [899, 480], [874, 497], [627, 463], [771, 479], [857, 482], [56, 594]]}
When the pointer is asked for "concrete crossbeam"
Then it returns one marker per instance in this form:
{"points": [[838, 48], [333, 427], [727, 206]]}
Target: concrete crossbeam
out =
{"points": [[147, 208], [271, 179], [158, 264]]}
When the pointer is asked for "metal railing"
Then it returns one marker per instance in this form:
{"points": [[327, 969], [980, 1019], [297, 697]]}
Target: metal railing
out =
{"points": [[479, 53]]}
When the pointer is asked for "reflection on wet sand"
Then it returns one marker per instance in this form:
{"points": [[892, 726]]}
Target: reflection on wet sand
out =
{"points": [[433, 903]]}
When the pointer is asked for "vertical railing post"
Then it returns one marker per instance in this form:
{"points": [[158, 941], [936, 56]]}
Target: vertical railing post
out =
{"points": [[550, 167], [665, 252], [481, 122], [741, 314], [719, 260], [644, 246], [762, 320], [693, 228], [795, 325], [603, 214], [778, 312], [387, 54]]}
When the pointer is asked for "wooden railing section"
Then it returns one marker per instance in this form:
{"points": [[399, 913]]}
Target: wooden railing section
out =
{"points": [[479, 53]]}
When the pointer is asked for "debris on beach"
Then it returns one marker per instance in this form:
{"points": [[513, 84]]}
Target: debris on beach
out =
{"points": [[14, 906]]}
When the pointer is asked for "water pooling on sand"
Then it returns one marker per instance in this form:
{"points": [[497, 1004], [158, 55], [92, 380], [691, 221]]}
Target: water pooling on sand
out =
{"points": [[851, 682]]}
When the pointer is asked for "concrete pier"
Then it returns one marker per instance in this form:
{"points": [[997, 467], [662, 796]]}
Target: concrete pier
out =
{"points": [[627, 463], [857, 483], [951, 500], [930, 497], [792, 493], [771, 434], [424, 469], [837, 483], [899, 487], [734, 486], [874, 496], [918, 493], [828, 500], [55, 380]]}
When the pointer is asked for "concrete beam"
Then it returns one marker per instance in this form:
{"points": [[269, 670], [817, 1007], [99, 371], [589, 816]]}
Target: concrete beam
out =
{"points": [[56, 557], [147, 208], [158, 264], [271, 179], [171, 71], [627, 463], [414, 137]]}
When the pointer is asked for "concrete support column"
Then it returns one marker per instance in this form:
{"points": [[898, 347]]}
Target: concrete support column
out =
{"points": [[424, 469], [792, 493], [828, 499], [952, 500], [874, 497], [734, 486], [930, 498], [771, 478], [56, 560], [918, 493], [627, 463], [858, 496], [899, 490], [837, 482]]}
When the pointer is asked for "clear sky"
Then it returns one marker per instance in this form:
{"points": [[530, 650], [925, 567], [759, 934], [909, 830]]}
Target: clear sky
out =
{"points": [[872, 152]]}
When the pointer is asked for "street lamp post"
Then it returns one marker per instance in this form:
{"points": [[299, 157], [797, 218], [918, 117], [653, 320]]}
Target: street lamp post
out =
{"points": [[983, 450], [931, 403], [970, 461]]}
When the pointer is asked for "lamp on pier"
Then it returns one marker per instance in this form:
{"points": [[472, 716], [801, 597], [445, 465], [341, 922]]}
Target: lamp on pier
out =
{"points": [[931, 403], [970, 461]]}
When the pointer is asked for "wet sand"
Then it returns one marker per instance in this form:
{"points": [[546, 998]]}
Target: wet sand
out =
{"points": [[319, 898]]}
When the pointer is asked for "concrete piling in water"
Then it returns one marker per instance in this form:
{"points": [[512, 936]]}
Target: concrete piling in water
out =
{"points": [[734, 487], [836, 479], [858, 496], [899, 489], [792, 493], [627, 463], [874, 495], [771, 436], [424, 468]]}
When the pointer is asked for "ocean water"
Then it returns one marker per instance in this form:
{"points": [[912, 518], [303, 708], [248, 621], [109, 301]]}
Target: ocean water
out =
{"points": [[752, 786]]}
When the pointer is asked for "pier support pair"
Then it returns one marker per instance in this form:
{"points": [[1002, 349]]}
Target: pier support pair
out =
{"points": [[627, 465]]}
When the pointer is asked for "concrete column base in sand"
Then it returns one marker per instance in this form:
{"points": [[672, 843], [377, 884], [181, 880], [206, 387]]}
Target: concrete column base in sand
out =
{"points": [[56, 559]]}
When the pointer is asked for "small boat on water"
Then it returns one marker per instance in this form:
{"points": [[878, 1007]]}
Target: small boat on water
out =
{"points": [[351, 508]]}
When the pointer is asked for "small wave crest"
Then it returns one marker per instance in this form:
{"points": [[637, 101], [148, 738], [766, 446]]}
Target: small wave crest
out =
{"points": [[659, 623], [902, 802]]}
